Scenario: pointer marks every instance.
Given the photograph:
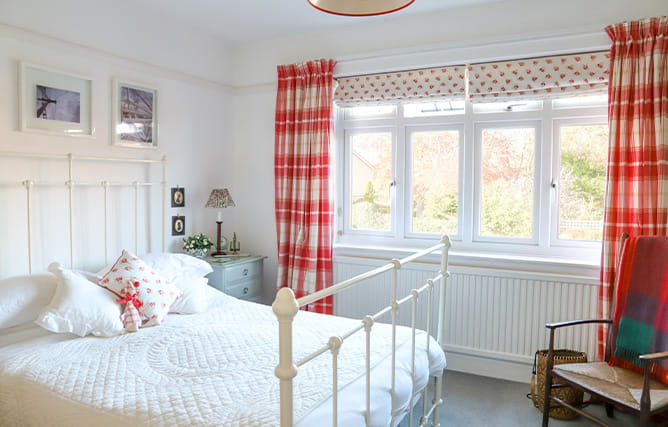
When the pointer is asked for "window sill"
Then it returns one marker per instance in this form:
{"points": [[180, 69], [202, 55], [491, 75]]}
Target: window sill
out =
{"points": [[477, 259]]}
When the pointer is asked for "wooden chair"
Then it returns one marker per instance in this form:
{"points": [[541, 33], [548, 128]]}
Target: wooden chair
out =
{"points": [[613, 385]]}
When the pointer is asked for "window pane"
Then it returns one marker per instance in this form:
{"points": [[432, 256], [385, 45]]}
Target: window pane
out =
{"points": [[507, 182], [370, 112], [426, 109], [508, 107], [581, 101], [371, 173], [434, 179], [584, 151]]}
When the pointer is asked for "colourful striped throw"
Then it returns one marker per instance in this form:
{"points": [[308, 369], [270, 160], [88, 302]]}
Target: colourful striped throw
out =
{"points": [[640, 321]]}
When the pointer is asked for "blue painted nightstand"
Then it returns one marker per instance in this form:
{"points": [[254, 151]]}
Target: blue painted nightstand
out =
{"points": [[238, 276]]}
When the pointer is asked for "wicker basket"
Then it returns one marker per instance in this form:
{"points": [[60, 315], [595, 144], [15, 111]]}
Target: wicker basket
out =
{"points": [[567, 394]]}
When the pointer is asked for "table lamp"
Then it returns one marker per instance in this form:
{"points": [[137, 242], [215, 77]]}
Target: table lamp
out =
{"points": [[219, 198]]}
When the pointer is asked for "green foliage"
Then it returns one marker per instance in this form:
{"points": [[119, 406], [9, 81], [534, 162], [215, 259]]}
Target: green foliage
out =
{"points": [[367, 216], [198, 241], [439, 214], [506, 213], [441, 205], [588, 177], [369, 193]]}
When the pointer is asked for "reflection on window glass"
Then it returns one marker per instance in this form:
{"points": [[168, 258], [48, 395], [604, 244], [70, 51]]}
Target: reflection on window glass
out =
{"points": [[507, 182], [370, 112], [434, 181], [371, 173], [583, 158], [427, 109]]}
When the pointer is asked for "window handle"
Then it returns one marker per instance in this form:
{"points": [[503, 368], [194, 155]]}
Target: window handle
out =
{"points": [[393, 183], [553, 184]]}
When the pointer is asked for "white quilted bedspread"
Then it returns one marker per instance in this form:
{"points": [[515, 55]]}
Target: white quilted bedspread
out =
{"points": [[212, 368]]}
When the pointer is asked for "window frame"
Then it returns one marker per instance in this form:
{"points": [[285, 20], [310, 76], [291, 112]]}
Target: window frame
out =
{"points": [[536, 124], [347, 176], [555, 184], [413, 128], [467, 239]]}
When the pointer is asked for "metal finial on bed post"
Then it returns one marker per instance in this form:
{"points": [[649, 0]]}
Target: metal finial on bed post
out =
{"points": [[285, 307]]}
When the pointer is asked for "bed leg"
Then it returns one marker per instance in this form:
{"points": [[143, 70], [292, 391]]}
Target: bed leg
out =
{"points": [[438, 400]]}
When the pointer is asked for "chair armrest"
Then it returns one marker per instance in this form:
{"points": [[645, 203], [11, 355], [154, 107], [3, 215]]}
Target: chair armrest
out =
{"points": [[646, 360], [575, 322], [654, 357]]}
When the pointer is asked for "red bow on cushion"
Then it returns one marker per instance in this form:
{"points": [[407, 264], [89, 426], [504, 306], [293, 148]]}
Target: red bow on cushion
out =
{"points": [[131, 297], [131, 317]]}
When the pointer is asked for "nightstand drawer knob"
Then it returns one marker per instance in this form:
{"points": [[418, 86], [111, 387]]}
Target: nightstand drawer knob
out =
{"points": [[245, 291], [245, 272]]}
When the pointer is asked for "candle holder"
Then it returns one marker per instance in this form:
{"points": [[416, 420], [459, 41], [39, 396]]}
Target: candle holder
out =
{"points": [[235, 245]]}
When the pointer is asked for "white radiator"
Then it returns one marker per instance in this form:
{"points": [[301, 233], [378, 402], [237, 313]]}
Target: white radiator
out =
{"points": [[494, 318]]}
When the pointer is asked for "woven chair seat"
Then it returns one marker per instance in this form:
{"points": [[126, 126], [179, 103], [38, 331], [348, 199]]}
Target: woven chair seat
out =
{"points": [[618, 384]]}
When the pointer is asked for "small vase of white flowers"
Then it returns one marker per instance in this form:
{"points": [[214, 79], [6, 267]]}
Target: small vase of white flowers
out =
{"points": [[197, 245]]}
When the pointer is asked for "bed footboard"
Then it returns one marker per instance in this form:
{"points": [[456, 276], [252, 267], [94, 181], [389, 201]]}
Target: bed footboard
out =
{"points": [[286, 307]]}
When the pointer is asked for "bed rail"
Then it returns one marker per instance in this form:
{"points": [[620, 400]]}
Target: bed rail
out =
{"points": [[71, 182], [286, 307]]}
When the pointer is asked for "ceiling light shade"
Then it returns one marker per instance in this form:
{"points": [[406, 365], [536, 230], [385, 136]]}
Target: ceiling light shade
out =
{"points": [[360, 7]]}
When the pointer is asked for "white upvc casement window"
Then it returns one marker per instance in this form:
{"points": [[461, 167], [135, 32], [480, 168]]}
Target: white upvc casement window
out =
{"points": [[522, 176]]}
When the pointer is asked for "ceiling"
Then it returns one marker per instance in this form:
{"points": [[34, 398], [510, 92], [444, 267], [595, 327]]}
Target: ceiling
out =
{"points": [[245, 20]]}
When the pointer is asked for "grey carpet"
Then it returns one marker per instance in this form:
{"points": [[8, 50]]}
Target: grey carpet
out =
{"points": [[472, 400]]}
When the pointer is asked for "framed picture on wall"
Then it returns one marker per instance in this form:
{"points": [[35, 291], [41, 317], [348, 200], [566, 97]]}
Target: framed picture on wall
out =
{"points": [[178, 225], [178, 197], [55, 102], [135, 115]]}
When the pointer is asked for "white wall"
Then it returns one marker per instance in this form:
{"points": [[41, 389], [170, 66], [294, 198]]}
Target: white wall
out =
{"points": [[122, 28], [194, 113], [508, 29]]}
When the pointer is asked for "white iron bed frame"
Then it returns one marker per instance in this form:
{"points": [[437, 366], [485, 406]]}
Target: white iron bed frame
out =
{"points": [[285, 305], [71, 182]]}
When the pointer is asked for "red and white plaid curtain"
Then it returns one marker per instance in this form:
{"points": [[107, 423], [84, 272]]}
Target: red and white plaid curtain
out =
{"points": [[637, 186], [304, 208]]}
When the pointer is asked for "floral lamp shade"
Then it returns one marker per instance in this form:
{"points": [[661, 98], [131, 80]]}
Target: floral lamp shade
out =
{"points": [[219, 198]]}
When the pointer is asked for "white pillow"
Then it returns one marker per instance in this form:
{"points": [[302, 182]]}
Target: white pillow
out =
{"points": [[186, 273], [23, 297], [80, 307], [173, 265], [194, 298]]}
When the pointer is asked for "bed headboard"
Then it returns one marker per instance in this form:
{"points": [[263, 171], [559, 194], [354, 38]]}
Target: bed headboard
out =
{"points": [[80, 210]]}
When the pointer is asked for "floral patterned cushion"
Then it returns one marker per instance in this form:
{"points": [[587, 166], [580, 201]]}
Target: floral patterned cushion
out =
{"points": [[155, 292]]}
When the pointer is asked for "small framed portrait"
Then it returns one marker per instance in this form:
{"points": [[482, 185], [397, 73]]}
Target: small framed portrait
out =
{"points": [[135, 115], [178, 197], [54, 102], [178, 225]]}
